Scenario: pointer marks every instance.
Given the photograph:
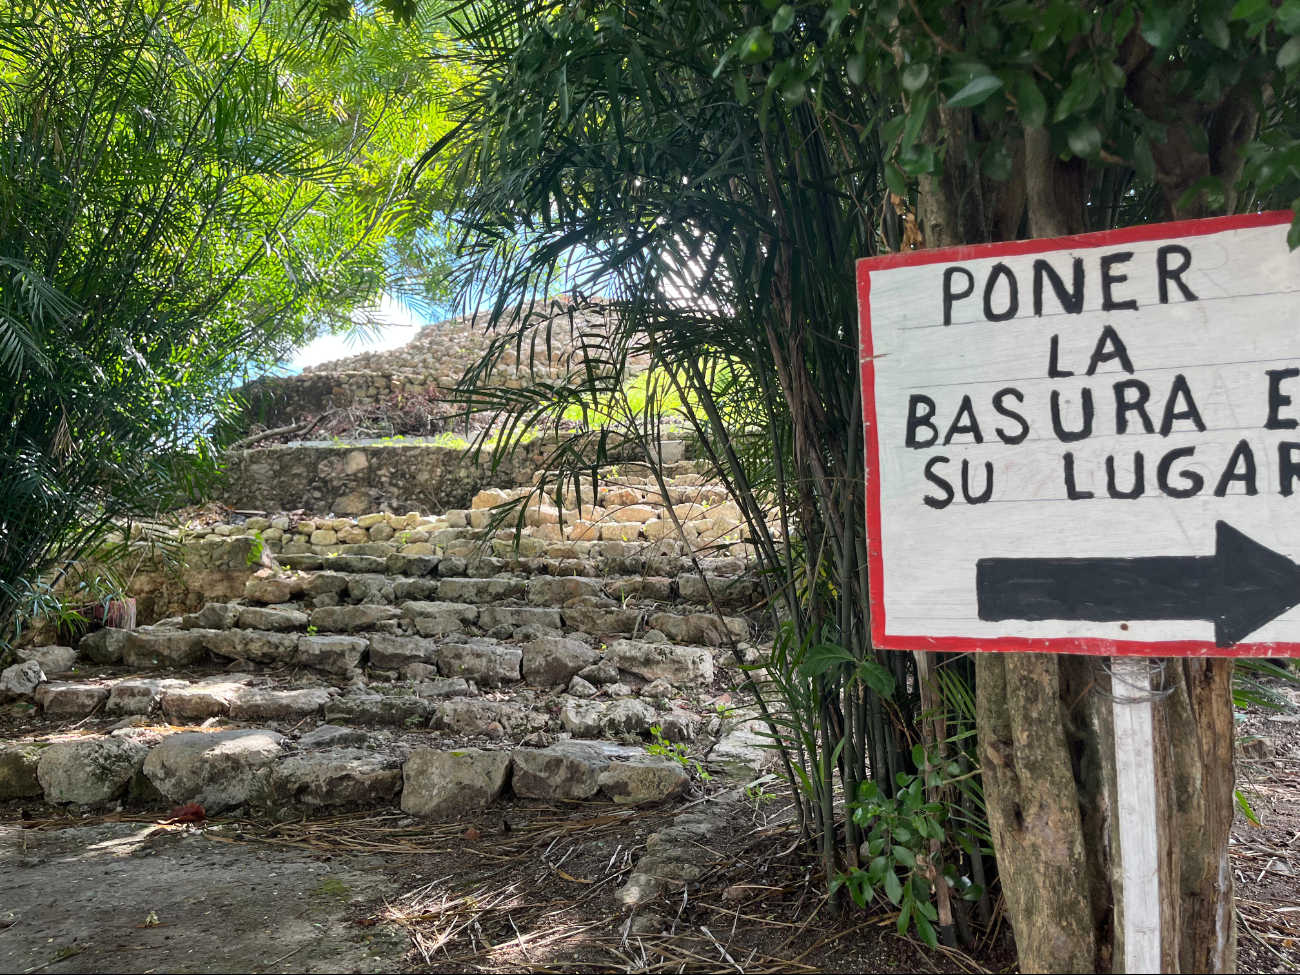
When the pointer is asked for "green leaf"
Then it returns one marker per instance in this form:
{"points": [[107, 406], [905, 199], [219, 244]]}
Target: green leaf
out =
{"points": [[1030, 102], [916, 120], [782, 19], [1249, 9], [1289, 53], [903, 855], [918, 755], [893, 889], [1085, 140], [975, 91], [1158, 26], [856, 67], [904, 916], [824, 657], [756, 47], [1083, 91], [1216, 30], [926, 930], [874, 675], [1143, 161], [1212, 187], [915, 75], [794, 92], [1242, 803], [891, 129]]}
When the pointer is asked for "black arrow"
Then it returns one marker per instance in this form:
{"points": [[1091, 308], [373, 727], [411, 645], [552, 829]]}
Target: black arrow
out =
{"points": [[1242, 586]]}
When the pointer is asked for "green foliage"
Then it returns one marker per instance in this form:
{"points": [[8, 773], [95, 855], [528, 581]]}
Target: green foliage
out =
{"points": [[897, 848], [659, 745], [1138, 86], [186, 188]]}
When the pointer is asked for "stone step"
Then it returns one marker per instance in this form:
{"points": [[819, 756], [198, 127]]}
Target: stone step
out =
{"points": [[327, 770]]}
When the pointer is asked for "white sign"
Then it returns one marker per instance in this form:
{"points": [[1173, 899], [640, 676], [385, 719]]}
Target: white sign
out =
{"points": [[1089, 444]]}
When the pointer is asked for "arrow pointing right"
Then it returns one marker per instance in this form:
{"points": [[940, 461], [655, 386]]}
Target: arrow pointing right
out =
{"points": [[1240, 588]]}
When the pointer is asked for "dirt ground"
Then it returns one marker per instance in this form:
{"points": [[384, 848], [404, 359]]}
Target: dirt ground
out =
{"points": [[527, 888]]}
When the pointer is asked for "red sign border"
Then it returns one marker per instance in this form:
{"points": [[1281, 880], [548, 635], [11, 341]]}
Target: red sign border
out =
{"points": [[875, 557]]}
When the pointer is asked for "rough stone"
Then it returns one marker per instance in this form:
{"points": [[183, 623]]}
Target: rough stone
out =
{"points": [[602, 621], [678, 665], [658, 689], [258, 646], [103, 646], [332, 736], [270, 590], [558, 590], [332, 654], [581, 688], [404, 589], [439, 688], [515, 616], [483, 664], [349, 619], [445, 784], [322, 583], [70, 700], [18, 775], [742, 751], [380, 709], [21, 680], [53, 660], [265, 704], [422, 609], [138, 696], [627, 717], [219, 770], [700, 628], [213, 616], [582, 719], [678, 726], [395, 652], [266, 618], [413, 565], [644, 778], [565, 770], [336, 777], [600, 673], [473, 716], [555, 660], [727, 590], [197, 702], [656, 588], [479, 591], [90, 770], [150, 649]]}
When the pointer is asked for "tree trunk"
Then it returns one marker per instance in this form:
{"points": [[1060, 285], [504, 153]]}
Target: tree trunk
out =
{"points": [[1045, 725]]}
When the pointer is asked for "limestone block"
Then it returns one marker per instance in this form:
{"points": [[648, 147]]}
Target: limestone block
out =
{"points": [[89, 770], [491, 616], [678, 665], [446, 784], [489, 498], [332, 736], [658, 588], [484, 664], [644, 778], [332, 654], [272, 590], [336, 777], [220, 770], [21, 680], [70, 700], [104, 646], [395, 652], [198, 702], [146, 648], [558, 590], [349, 619], [53, 660], [602, 621], [213, 616], [380, 709], [266, 618], [634, 514], [265, 704], [565, 770], [18, 770], [324, 537], [259, 646], [479, 590], [138, 696], [555, 660]]}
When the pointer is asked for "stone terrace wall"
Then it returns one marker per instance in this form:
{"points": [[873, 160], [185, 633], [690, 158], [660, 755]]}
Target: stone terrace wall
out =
{"points": [[353, 479], [350, 479], [436, 357]]}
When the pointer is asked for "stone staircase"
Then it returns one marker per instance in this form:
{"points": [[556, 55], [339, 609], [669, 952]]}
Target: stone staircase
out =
{"points": [[422, 661]]}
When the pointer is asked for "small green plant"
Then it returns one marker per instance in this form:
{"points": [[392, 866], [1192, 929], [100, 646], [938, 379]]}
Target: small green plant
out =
{"points": [[662, 746], [897, 849], [256, 550], [312, 631]]}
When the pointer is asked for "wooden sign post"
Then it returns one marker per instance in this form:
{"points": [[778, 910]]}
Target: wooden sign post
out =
{"points": [[1090, 445]]}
